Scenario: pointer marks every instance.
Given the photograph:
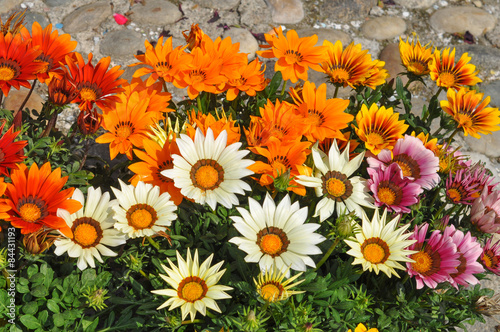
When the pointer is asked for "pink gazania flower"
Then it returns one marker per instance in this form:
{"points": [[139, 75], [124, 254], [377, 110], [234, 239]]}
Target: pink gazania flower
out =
{"points": [[485, 212], [484, 180], [435, 260], [490, 257], [469, 250], [418, 163], [461, 187], [391, 189]]}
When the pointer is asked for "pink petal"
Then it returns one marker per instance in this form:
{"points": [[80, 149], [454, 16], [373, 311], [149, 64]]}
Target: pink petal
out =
{"points": [[120, 19]]}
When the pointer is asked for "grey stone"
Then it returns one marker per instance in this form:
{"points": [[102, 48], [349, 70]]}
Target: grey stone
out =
{"points": [[372, 46], [86, 17], [493, 90], [287, 11], [326, 34], [7, 5], [122, 43], [155, 12], [219, 5], [485, 58], [32, 17], [415, 3], [248, 43], [460, 19], [255, 14], [485, 145], [346, 10], [384, 27], [55, 3], [494, 36], [390, 55]]}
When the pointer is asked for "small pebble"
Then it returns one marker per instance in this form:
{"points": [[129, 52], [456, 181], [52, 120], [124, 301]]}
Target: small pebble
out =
{"points": [[406, 14], [443, 3], [59, 25]]}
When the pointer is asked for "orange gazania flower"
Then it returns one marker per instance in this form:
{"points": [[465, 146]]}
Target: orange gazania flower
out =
{"points": [[128, 125], [89, 122], [469, 110], [11, 153], [250, 80], [62, 91], [295, 55], [195, 36], [205, 121], [96, 85], [204, 74], [342, 139], [162, 60], [17, 62], [156, 159], [282, 121], [379, 128], [429, 143], [34, 197], [377, 76], [227, 52], [414, 56], [258, 133], [54, 48], [447, 74], [283, 159], [351, 66], [324, 117]]}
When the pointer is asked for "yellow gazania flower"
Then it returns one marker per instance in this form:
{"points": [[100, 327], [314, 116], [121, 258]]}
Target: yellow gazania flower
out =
{"points": [[470, 113], [447, 74], [272, 288], [377, 76], [362, 328], [414, 56], [351, 66], [429, 143], [379, 128], [295, 55]]}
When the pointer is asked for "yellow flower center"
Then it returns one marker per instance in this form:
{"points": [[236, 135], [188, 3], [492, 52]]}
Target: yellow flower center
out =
{"points": [[124, 131], [464, 120], [339, 75], [141, 216], [374, 138], [207, 174], [292, 57], [192, 289], [270, 292], [335, 187], [7, 73], [446, 79], [43, 69], [272, 241], [386, 195], [271, 244], [423, 262], [88, 94], [85, 234], [30, 212], [405, 168], [418, 68], [487, 260], [197, 76], [455, 195], [375, 250]]}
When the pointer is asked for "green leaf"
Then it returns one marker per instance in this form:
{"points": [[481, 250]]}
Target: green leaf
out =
{"points": [[32, 270], [37, 278], [58, 319], [52, 306], [42, 316], [30, 308], [30, 322], [39, 291], [90, 325]]}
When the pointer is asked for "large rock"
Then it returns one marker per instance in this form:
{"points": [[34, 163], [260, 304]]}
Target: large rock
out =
{"points": [[56, 3], [326, 34], [460, 19], [86, 17], [390, 55], [16, 97], [485, 58], [248, 43], [155, 12], [493, 90], [287, 11], [255, 14], [32, 17], [346, 10], [384, 27], [494, 36], [219, 5], [122, 43], [7, 5], [415, 3], [486, 145]]}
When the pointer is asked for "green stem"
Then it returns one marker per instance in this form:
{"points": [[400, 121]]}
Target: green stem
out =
{"points": [[284, 88], [437, 132], [198, 102], [452, 135], [336, 91], [27, 97], [328, 253], [439, 211], [164, 85], [153, 242], [436, 195], [196, 321]]}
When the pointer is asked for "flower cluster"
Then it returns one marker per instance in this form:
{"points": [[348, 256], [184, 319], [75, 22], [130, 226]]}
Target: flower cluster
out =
{"points": [[242, 172]]}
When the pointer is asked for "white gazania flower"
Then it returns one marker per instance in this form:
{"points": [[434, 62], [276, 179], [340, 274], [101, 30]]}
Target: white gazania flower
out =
{"points": [[332, 181], [277, 234], [194, 286], [92, 228], [272, 288], [208, 171], [142, 211], [379, 246]]}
